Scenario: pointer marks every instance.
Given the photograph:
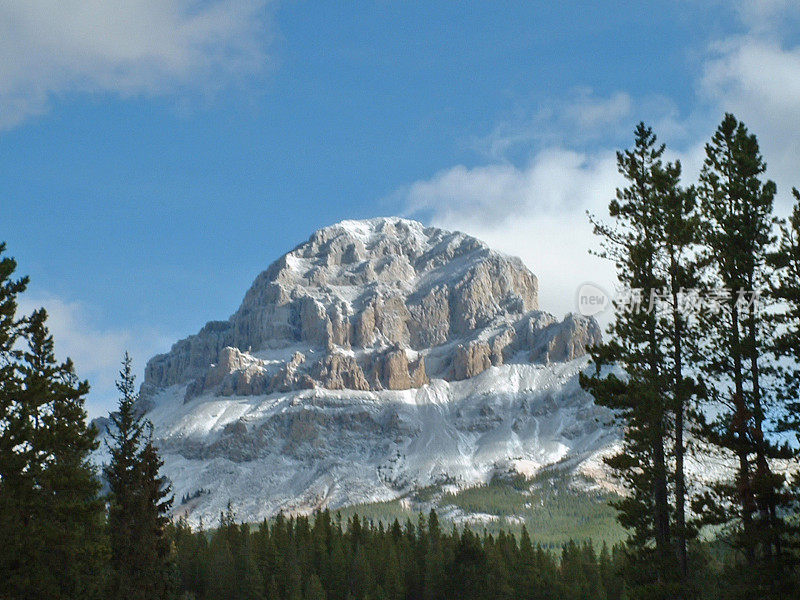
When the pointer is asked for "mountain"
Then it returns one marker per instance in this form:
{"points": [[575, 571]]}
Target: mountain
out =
{"points": [[378, 358]]}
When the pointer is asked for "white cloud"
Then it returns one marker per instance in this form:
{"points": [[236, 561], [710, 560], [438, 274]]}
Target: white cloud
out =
{"points": [[591, 112], [536, 212], [142, 47], [758, 79], [581, 117], [96, 351]]}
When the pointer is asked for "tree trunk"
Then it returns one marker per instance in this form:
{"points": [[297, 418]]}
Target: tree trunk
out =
{"points": [[766, 505], [680, 476], [739, 427]]}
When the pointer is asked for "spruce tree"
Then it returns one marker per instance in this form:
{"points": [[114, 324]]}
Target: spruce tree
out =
{"points": [[139, 501], [314, 589], [73, 547], [16, 486]]}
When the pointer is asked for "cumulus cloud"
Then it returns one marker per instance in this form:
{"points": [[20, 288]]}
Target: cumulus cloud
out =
{"points": [[537, 212], [96, 351], [148, 47]]}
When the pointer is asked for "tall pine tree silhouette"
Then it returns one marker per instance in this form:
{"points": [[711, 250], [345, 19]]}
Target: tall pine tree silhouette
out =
{"points": [[635, 243], [51, 516], [139, 501], [785, 292], [736, 206]]}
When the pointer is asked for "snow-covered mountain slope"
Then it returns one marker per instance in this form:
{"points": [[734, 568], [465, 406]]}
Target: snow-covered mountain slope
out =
{"points": [[308, 449], [378, 357]]}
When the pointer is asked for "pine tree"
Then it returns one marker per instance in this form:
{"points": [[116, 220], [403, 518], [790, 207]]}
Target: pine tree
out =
{"points": [[139, 501], [785, 290], [67, 512], [737, 208], [635, 243], [16, 485], [314, 589], [51, 519], [434, 575], [157, 502], [125, 481], [679, 232], [395, 584]]}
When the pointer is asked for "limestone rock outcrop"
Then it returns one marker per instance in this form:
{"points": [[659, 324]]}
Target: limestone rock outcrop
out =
{"points": [[471, 358], [397, 372], [289, 378], [560, 342], [378, 304], [341, 372]]}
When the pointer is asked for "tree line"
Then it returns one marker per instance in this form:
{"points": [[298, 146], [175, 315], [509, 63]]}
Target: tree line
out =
{"points": [[325, 558], [701, 364]]}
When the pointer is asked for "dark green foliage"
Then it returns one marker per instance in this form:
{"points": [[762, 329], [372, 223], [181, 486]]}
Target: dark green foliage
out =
{"points": [[785, 289], [326, 557], [729, 372], [51, 519], [737, 236], [649, 243], [139, 502]]}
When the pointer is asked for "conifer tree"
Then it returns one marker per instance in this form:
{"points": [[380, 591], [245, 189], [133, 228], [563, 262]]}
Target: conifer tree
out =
{"points": [[67, 511], [157, 501], [314, 589], [139, 501], [785, 291], [15, 482], [678, 232], [635, 244], [51, 519], [737, 208]]}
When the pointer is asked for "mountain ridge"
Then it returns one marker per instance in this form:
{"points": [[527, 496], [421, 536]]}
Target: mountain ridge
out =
{"points": [[376, 358], [387, 303]]}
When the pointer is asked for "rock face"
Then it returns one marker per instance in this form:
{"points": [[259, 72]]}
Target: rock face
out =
{"points": [[471, 359], [370, 305]]}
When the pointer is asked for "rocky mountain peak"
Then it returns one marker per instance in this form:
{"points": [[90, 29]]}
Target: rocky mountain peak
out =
{"points": [[376, 304]]}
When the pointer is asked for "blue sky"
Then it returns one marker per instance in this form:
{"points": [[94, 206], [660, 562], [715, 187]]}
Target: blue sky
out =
{"points": [[157, 155]]}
